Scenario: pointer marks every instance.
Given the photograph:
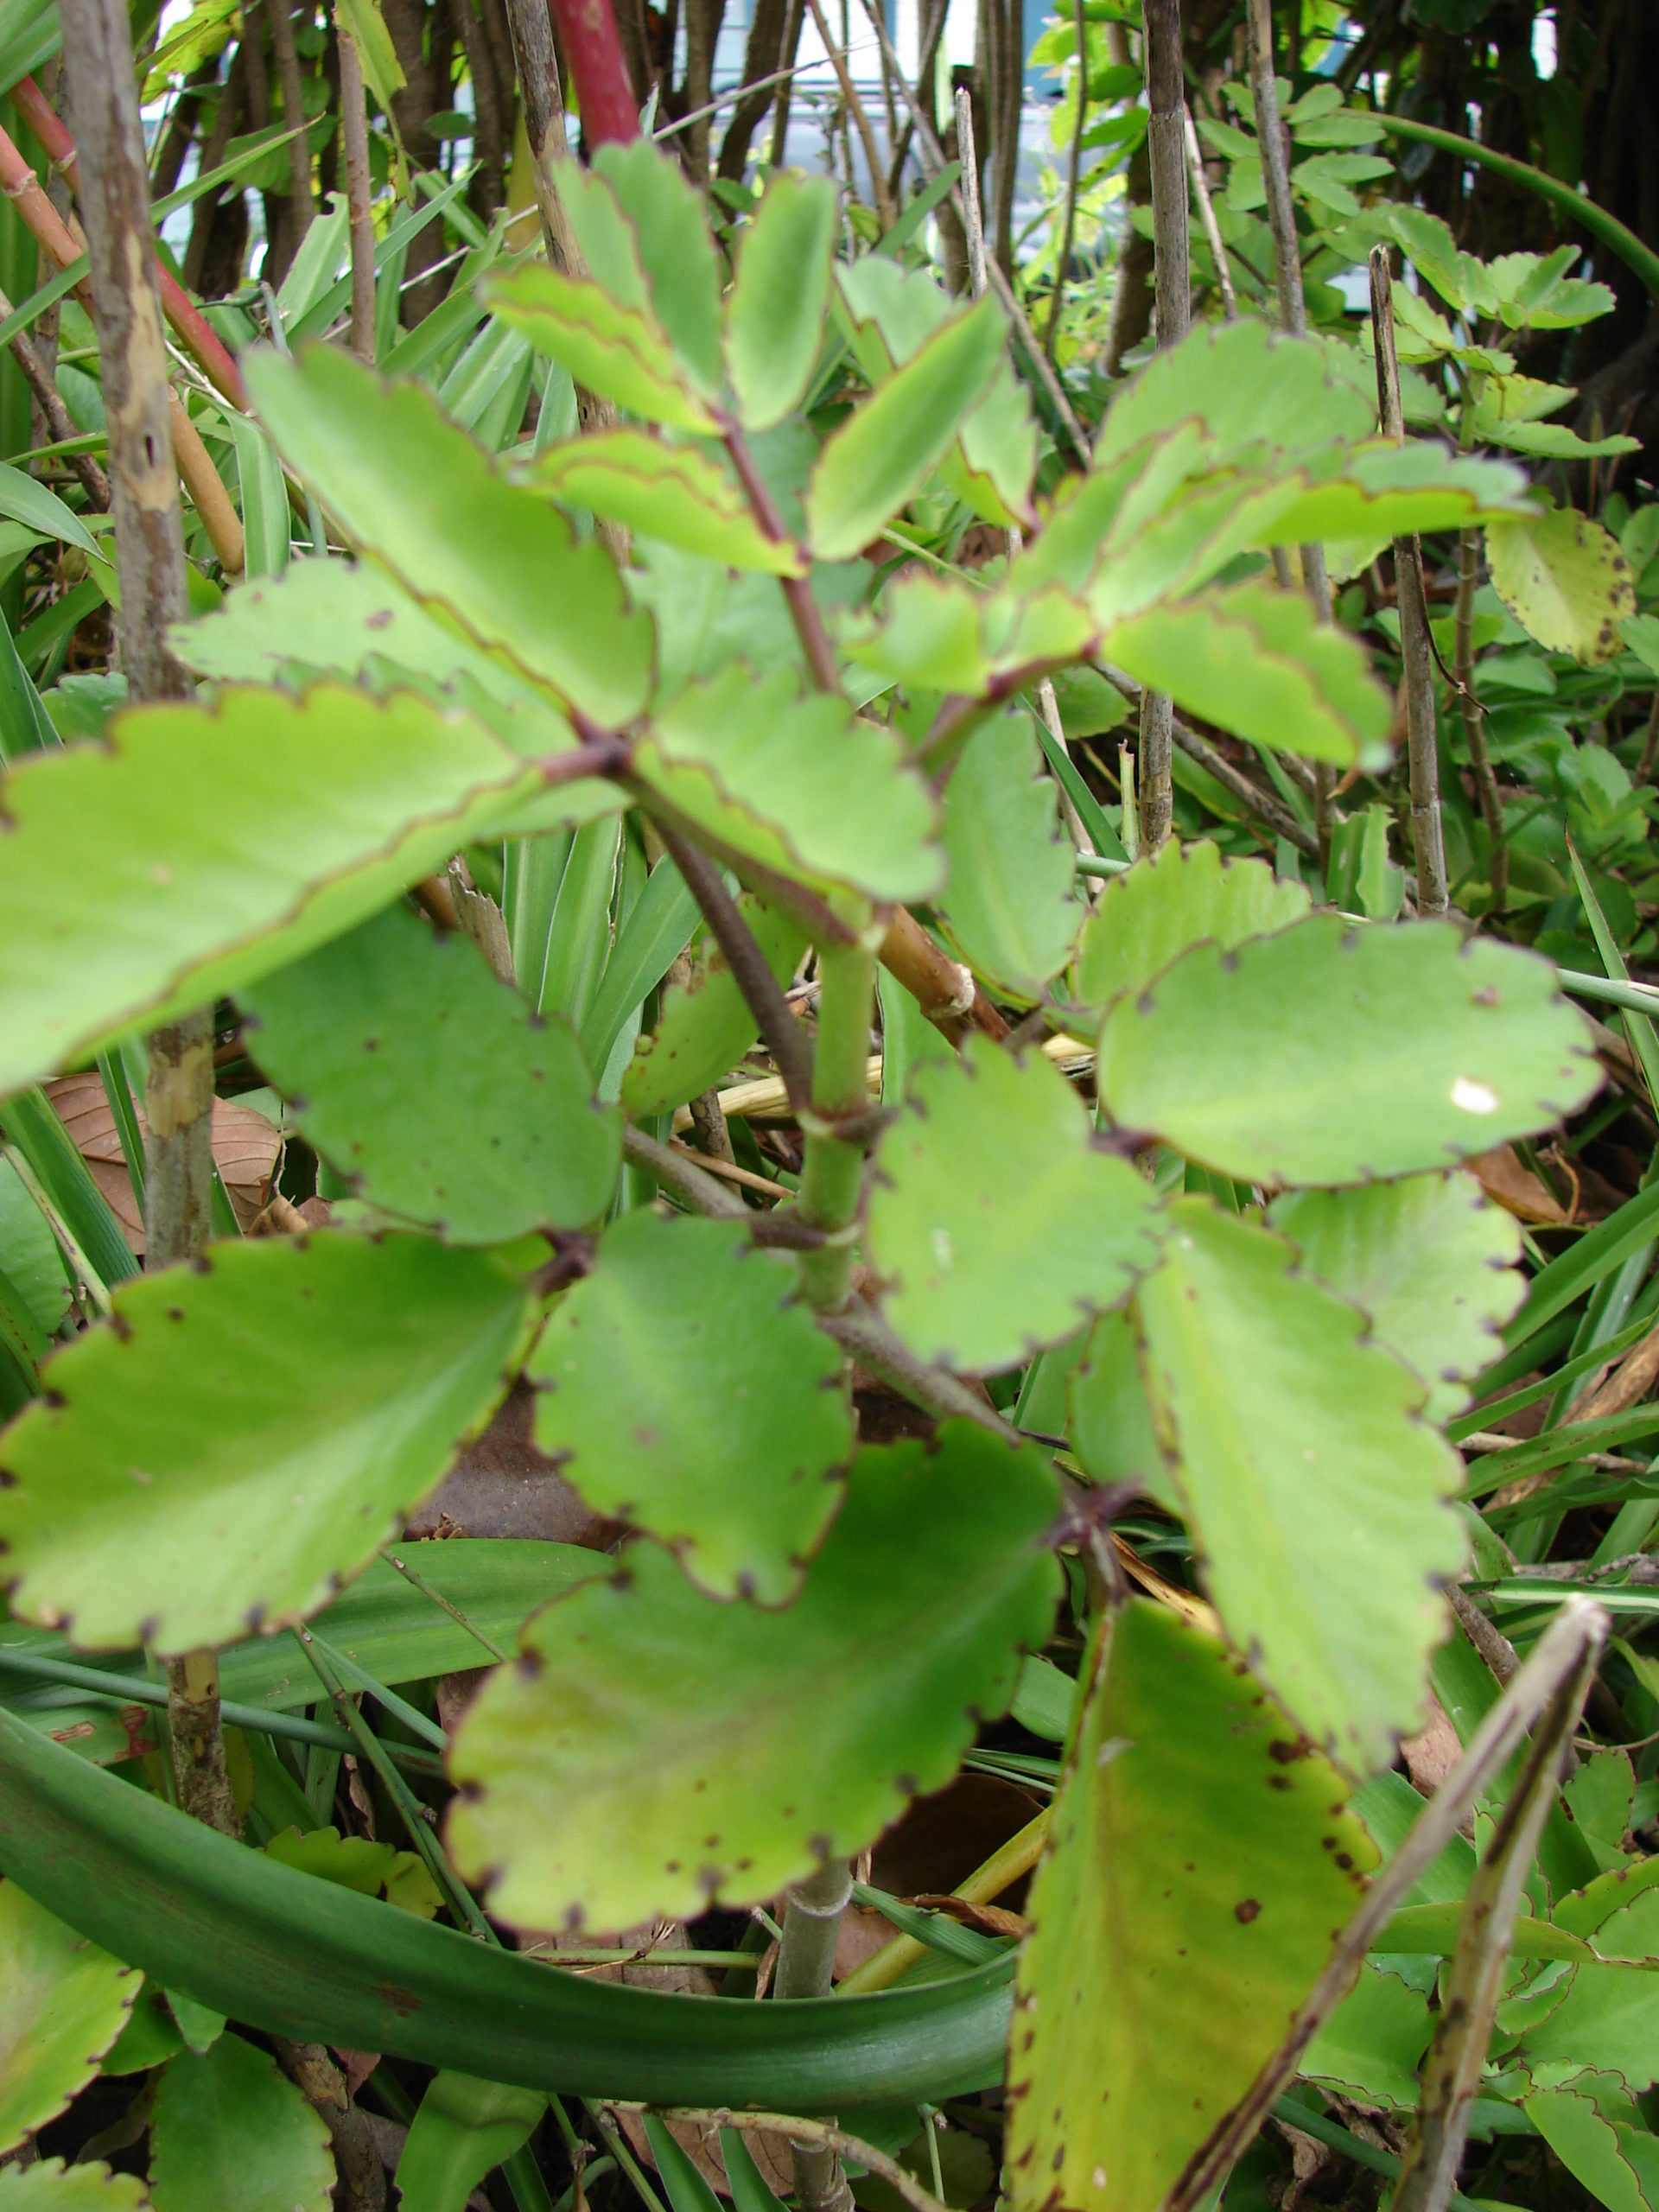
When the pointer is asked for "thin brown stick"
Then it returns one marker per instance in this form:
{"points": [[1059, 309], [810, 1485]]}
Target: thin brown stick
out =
{"points": [[1271, 139], [856, 108], [354, 133], [933, 162], [783, 1036], [1416, 649], [1207, 218], [1474, 1978], [830, 2137], [1073, 172], [1171, 263], [58, 420]]}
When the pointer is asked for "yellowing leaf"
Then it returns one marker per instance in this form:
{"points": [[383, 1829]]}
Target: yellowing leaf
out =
{"points": [[1200, 1865]]}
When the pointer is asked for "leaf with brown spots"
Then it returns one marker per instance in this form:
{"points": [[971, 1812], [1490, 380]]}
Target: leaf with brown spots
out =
{"points": [[1195, 1881]]}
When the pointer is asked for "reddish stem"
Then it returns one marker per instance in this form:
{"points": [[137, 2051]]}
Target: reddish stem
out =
{"points": [[196, 334], [589, 34]]}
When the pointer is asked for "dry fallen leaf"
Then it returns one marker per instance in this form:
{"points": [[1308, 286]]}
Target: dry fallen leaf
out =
{"points": [[246, 1148]]}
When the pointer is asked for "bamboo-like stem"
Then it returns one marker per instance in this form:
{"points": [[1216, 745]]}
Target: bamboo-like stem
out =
{"points": [[589, 35], [806, 1967], [355, 134], [1073, 172], [150, 546], [1416, 647], [65, 246], [1207, 219], [206, 487], [819, 2131], [1474, 720], [856, 108], [195, 333]]}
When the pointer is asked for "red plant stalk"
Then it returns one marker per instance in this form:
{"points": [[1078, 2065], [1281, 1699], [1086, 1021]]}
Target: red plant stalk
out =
{"points": [[589, 35], [195, 333]]}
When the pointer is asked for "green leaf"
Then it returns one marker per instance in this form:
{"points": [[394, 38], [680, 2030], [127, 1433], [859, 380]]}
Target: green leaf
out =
{"points": [[674, 493], [682, 1391], [230, 2130], [1259, 663], [776, 307], [50, 2186], [433, 1088], [1592, 2148], [1202, 1858], [1385, 490], [63, 2003], [1109, 1421], [23, 499], [337, 803], [1430, 1261], [970, 1281], [1242, 386], [1564, 579], [337, 617], [309, 1960], [669, 218], [372, 1869], [1185, 894], [1610, 2015], [463, 2131], [705, 1026], [653, 1751], [1008, 902], [414, 490], [1315, 1494], [605, 345], [882, 454], [1336, 1052], [244, 1434], [794, 781], [1372, 2044]]}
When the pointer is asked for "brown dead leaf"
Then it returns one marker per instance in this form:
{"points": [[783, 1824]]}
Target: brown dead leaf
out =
{"points": [[1432, 1753], [246, 1148], [1511, 1184], [984, 1919]]}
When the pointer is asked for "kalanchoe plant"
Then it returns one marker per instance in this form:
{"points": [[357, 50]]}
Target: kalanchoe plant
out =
{"points": [[1221, 1258]]}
